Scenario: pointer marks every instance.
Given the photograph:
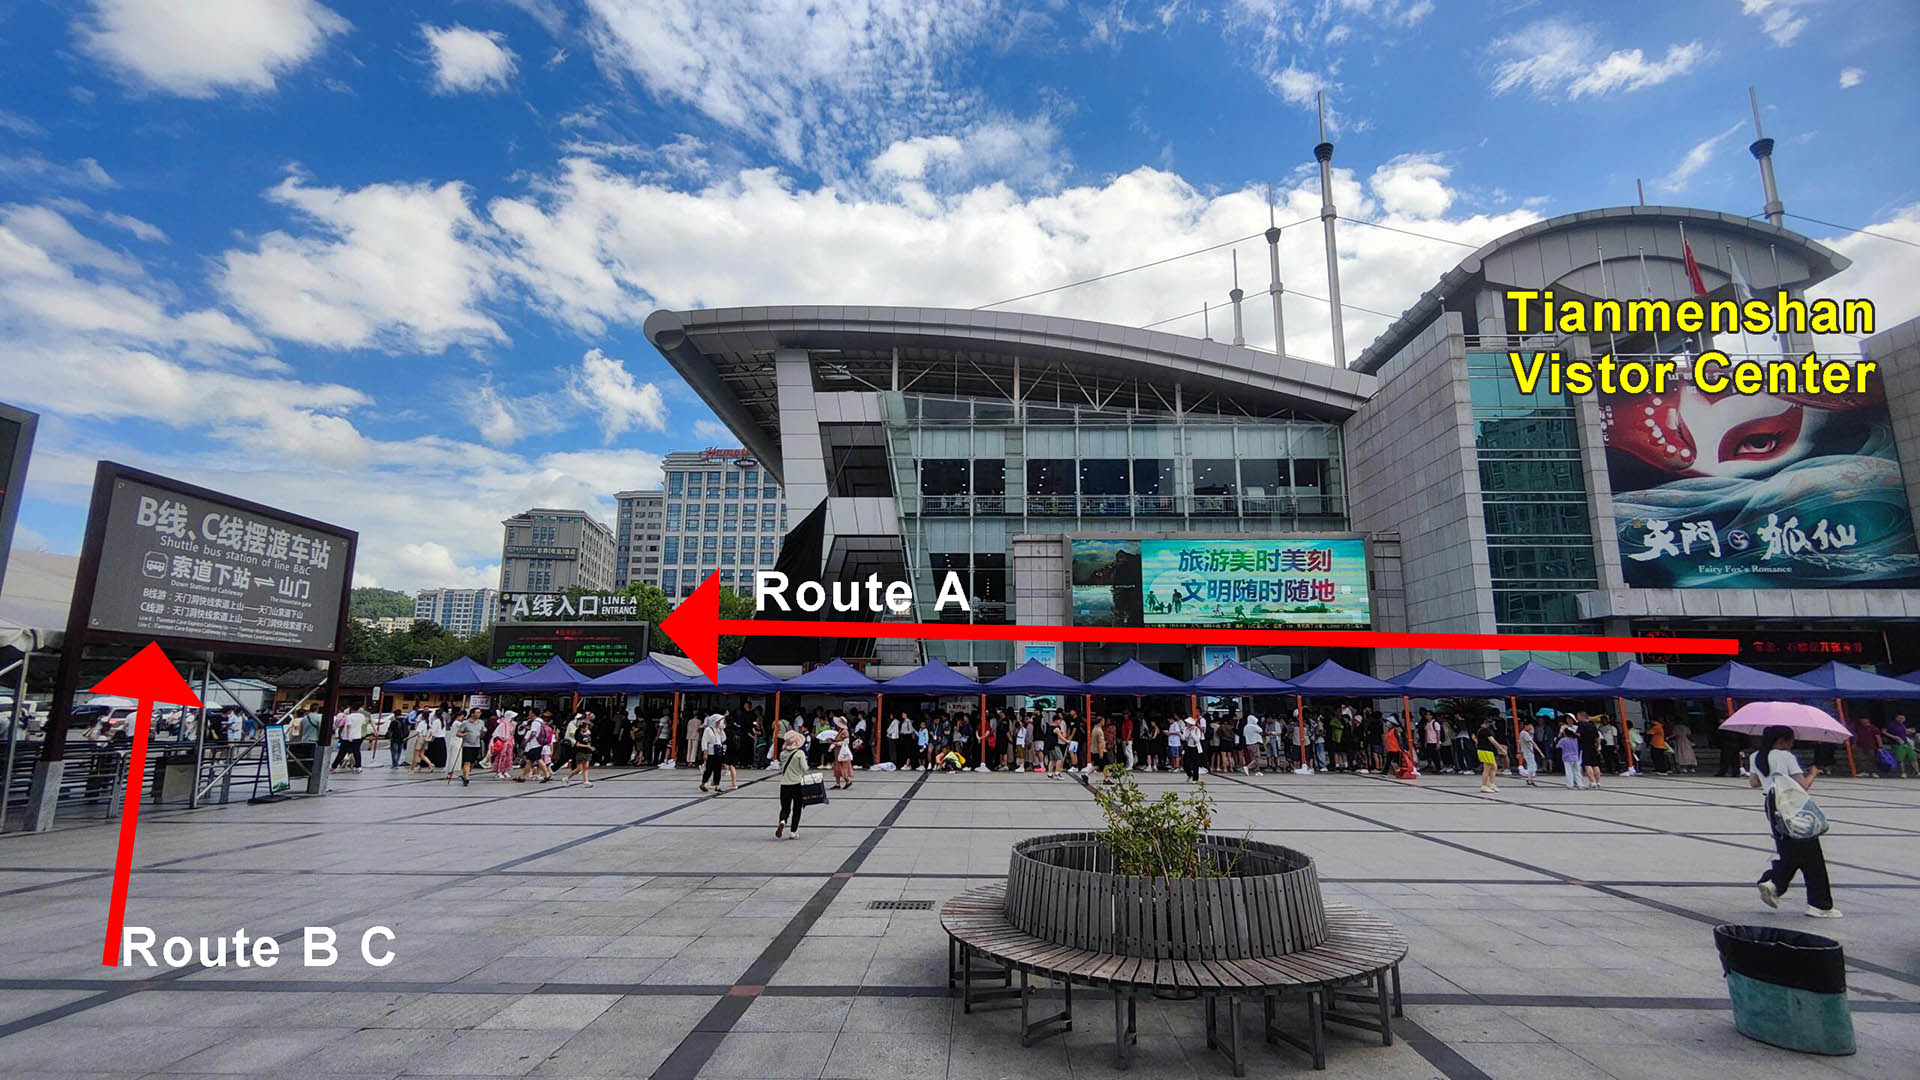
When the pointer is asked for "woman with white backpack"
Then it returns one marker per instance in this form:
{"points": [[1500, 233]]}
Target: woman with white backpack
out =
{"points": [[1796, 821]]}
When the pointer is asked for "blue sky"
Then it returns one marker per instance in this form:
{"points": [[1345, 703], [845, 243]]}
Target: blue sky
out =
{"points": [[387, 265]]}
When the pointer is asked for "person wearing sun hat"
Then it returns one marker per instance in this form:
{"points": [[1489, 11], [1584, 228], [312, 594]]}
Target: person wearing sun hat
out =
{"points": [[793, 770]]}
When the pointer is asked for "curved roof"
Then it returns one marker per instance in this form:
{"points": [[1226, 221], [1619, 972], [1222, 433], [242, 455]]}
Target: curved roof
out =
{"points": [[1819, 261], [725, 354]]}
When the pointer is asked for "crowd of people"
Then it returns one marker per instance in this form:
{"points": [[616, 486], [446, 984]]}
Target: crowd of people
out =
{"points": [[1583, 748]]}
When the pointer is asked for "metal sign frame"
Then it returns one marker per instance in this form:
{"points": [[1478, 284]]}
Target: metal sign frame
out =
{"points": [[80, 635], [16, 478]]}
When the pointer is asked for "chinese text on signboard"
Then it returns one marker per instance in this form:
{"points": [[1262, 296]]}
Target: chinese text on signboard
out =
{"points": [[174, 564], [591, 648], [1286, 581]]}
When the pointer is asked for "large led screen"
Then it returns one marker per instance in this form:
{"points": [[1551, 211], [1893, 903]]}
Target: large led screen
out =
{"points": [[1299, 581]]}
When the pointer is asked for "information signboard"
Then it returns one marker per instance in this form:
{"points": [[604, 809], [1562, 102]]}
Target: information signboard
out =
{"points": [[175, 561], [592, 648], [1312, 580], [277, 781]]}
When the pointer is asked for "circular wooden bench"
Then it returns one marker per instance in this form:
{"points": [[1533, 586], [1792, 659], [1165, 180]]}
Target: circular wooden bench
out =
{"points": [[1357, 963]]}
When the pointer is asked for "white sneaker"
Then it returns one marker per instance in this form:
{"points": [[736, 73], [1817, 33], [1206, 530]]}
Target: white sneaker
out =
{"points": [[1769, 895], [1824, 913], [589, 783]]}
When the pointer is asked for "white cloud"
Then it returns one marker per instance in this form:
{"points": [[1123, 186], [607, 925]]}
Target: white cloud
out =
{"points": [[431, 565], [19, 125], [1414, 185], [1558, 57], [1779, 19], [822, 86], [1883, 271], [198, 49], [1009, 151], [467, 60], [603, 386], [393, 266], [1850, 77], [492, 418], [1697, 157], [599, 248], [714, 432]]}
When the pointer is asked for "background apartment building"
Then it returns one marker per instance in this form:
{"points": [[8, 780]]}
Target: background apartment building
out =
{"points": [[546, 550], [721, 511], [636, 531], [461, 611]]}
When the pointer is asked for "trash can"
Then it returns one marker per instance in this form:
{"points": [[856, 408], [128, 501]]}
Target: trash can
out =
{"points": [[1789, 989]]}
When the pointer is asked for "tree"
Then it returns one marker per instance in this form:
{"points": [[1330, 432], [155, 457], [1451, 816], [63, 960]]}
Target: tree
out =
{"points": [[373, 603], [655, 606]]}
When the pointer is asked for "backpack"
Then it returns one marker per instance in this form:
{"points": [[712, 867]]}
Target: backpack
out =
{"points": [[1793, 812]]}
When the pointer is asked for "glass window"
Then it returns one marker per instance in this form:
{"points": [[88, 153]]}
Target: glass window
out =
{"points": [[1103, 476], [944, 476], [714, 478], [943, 409], [1050, 476], [989, 476], [673, 516], [1152, 476], [674, 481], [1214, 476], [669, 580], [1311, 474], [672, 549], [1263, 476], [767, 509], [709, 544], [753, 476]]}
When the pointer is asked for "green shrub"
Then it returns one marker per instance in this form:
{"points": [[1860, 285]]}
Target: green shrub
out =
{"points": [[1160, 838]]}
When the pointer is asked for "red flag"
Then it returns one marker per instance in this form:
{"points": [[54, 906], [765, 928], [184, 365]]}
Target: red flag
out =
{"points": [[1693, 268]]}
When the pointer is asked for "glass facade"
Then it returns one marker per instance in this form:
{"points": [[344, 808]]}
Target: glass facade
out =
{"points": [[971, 474], [713, 519], [1539, 532]]}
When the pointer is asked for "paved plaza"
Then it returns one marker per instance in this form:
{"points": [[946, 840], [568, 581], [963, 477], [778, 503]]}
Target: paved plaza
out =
{"points": [[639, 928]]}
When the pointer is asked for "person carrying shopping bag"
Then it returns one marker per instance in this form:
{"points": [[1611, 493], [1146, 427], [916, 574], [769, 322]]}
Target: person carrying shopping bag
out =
{"points": [[793, 773]]}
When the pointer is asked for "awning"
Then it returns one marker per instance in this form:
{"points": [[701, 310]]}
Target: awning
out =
{"points": [[463, 675], [1034, 677], [1136, 678], [1233, 678], [834, 677], [1332, 680], [1435, 680], [932, 677]]}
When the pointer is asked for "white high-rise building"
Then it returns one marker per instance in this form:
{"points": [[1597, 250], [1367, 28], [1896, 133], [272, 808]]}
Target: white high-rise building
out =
{"points": [[636, 536], [462, 611], [721, 511]]}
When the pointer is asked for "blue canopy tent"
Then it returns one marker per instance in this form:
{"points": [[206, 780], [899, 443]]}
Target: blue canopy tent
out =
{"points": [[838, 677], [554, 676], [933, 677], [1433, 680], [647, 676], [1733, 680], [1135, 679], [1329, 679], [1839, 682], [511, 670], [1536, 680], [461, 675], [1634, 680], [1234, 679], [743, 676], [1034, 677]]}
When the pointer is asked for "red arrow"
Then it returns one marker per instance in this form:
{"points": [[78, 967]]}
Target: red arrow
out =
{"points": [[148, 677], [696, 626]]}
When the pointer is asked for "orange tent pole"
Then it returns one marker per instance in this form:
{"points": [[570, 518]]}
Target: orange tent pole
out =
{"points": [[1406, 722], [1626, 737], [1300, 718], [1842, 706], [1513, 708]]}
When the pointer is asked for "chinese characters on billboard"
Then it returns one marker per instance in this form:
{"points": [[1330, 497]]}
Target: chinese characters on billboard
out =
{"points": [[1287, 581], [178, 564], [1753, 492], [592, 649]]}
